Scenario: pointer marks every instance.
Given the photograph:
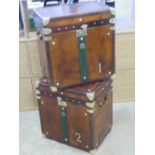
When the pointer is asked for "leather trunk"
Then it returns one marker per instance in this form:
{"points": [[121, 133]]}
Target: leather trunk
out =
{"points": [[80, 116], [76, 42]]}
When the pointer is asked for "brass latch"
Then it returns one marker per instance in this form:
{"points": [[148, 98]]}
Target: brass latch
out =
{"points": [[83, 31], [61, 103]]}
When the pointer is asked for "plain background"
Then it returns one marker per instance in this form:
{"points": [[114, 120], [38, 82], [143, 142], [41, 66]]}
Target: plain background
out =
{"points": [[145, 77]]}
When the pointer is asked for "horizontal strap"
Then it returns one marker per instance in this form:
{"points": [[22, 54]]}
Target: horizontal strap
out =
{"points": [[76, 27], [64, 98]]}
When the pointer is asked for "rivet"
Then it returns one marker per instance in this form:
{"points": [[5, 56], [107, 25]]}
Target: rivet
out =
{"points": [[53, 43], [84, 77], [46, 133], [79, 101], [42, 102], [44, 80], [94, 23], [97, 144], [102, 22], [100, 103], [87, 146], [61, 93], [109, 72], [50, 94], [85, 114], [73, 100], [66, 139], [57, 84], [108, 33], [80, 19], [62, 108], [59, 29], [73, 26], [81, 38], [66, 28]]}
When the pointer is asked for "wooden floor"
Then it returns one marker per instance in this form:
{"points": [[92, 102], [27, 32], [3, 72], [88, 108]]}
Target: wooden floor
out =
{"points": [[30, 71]]}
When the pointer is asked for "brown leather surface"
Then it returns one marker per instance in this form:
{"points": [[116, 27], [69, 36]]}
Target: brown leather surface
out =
{"points": [[78, 123], [66, 11], [103, 119], [64, 59], [92, 127], [76, 20], [78, 92], [50, 118]]}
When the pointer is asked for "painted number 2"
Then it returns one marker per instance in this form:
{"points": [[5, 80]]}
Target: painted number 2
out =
{"points": [[78, 137]]}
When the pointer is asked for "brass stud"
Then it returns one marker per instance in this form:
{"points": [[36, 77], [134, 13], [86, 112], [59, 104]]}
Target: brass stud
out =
{"points": [[108, 33], [84, 77], [44, 80], [53, 43], [81, 38], [80, 19], [57, 84], [85, 114]]}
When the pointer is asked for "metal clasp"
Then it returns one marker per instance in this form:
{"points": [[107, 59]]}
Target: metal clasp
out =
{"points": [[61, 103], [83, 31]]}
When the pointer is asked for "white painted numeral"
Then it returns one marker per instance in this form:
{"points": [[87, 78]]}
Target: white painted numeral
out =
{"points": [[78, 137]]}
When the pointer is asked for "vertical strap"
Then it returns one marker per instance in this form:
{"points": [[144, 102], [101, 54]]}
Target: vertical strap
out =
{"points": [[83, 58], [63, 115]]}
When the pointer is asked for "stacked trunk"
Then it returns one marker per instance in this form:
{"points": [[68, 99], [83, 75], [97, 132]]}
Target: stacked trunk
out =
{"points": [[77, 56]]}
